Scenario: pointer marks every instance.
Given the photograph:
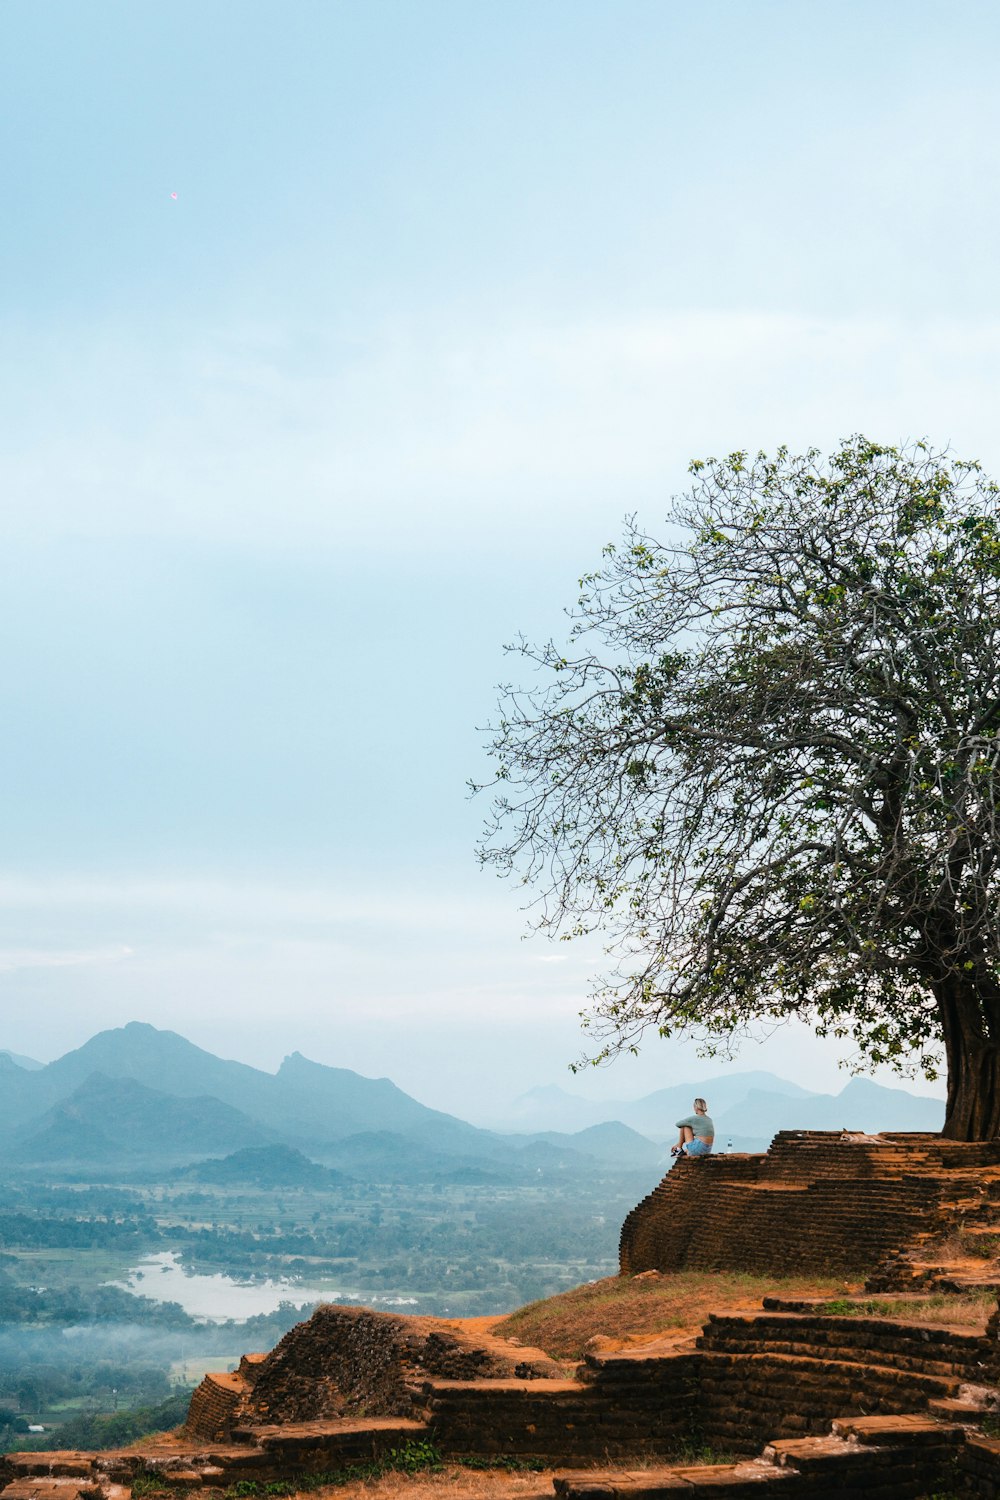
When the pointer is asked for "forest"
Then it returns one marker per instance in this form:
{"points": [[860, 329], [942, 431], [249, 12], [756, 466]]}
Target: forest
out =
{"points": [[93, 1355]]}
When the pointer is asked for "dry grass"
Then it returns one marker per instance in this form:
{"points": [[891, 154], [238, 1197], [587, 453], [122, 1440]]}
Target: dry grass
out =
{"points": [[961, 1245], [979, 1246], [629, 1309], [451, 1482], [968, 1310]]}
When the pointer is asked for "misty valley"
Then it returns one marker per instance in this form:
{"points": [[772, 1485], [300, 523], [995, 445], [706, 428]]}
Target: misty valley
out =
{"points": [[133, 1256], [91, 1324], [163, 1211]]}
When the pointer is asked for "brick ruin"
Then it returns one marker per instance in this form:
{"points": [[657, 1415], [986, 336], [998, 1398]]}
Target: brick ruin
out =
{"points": [[818, 1201], [348, 1361], [811, 1398]]}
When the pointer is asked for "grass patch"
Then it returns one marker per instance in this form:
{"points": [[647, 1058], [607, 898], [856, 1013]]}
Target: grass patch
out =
{"points": [[502, 1464], [981, 1246], [412, 1458], [965, 1309], [702, 1454], [622, 1307]]}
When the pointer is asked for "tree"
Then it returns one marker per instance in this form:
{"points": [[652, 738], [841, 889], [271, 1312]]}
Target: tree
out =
{"points": [[767, 765]]}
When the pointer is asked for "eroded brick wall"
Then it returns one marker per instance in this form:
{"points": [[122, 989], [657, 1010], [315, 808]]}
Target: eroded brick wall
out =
{"points": [[344, 1360], [623, 1408], [214, 1406], [814, 1202], [745, 1386]]}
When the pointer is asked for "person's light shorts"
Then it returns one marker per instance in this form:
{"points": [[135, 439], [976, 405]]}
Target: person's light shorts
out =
{"points": [[697, 1148]]}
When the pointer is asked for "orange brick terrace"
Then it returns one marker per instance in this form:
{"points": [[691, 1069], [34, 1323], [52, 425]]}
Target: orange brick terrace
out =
{"points": [[816, 1398], [816, 1202]]}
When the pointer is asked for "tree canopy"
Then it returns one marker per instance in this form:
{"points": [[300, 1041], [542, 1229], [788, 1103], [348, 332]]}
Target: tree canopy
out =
{"points": [[765, 764]]}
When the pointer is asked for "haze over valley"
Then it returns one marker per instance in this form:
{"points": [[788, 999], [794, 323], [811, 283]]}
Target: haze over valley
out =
{"points": [[163, 1209]]}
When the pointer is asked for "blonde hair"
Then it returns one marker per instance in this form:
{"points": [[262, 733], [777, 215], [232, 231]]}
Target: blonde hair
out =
{"points": [[700, 1104]]}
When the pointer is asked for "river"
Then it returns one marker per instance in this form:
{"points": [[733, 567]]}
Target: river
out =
{"points": [[214, 1298]]}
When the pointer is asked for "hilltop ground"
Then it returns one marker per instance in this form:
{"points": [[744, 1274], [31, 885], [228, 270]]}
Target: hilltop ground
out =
{"points": [[635, 1309], [614, 1312], [622, 1310]]}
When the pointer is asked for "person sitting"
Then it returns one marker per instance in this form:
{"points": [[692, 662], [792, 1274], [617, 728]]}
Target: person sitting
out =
{"points": [[697, 1133]]}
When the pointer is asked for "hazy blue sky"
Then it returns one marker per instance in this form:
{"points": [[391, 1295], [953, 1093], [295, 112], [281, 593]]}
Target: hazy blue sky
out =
{"points": [[446, 290]]}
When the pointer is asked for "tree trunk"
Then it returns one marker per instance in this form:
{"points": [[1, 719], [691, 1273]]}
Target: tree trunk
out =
{"points": [[973, 1109]]}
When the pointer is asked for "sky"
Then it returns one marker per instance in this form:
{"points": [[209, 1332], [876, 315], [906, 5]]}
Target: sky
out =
{"points": [[336, 339]]}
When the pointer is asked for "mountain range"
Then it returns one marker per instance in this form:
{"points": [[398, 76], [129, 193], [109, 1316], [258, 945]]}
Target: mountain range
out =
{"points": [[748, 1107], [136, 1098]]}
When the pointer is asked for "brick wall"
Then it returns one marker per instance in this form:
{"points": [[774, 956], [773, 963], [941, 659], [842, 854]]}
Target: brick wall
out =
{"points": [[813, 1202], [215, 1405], [745, 1387], [348, 1359]]}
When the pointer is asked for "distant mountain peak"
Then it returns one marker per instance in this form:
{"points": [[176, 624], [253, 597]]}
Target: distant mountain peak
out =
{"points": [[25, 1064], [267, 1166], [297, 1062]]}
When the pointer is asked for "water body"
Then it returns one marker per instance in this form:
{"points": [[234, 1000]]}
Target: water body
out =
{"points": [[214, 1298]]}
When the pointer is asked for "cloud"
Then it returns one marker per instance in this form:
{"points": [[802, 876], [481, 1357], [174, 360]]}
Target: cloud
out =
{"points": [[12, 959], [428, 436], [231, 903], [395, 945], [435, 993]]}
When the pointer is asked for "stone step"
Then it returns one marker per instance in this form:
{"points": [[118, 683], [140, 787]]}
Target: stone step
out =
{"points": [[849, 1354], [910, 1428], [36, 1487], [955, 1409], [215, 1466], [484, 1389], [818, 1319], [260, 1453], [169, 1467], [933, 1349], [806, 1454], [909, 1372], [839, 1466], [981, 1458], [851, 1365], [959, 1285], [391, 1429], [62, 1487], [332, 1444], [59, 1463], [865, 1456], [720, 1480], [911, 1385], [890, 1463]]}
